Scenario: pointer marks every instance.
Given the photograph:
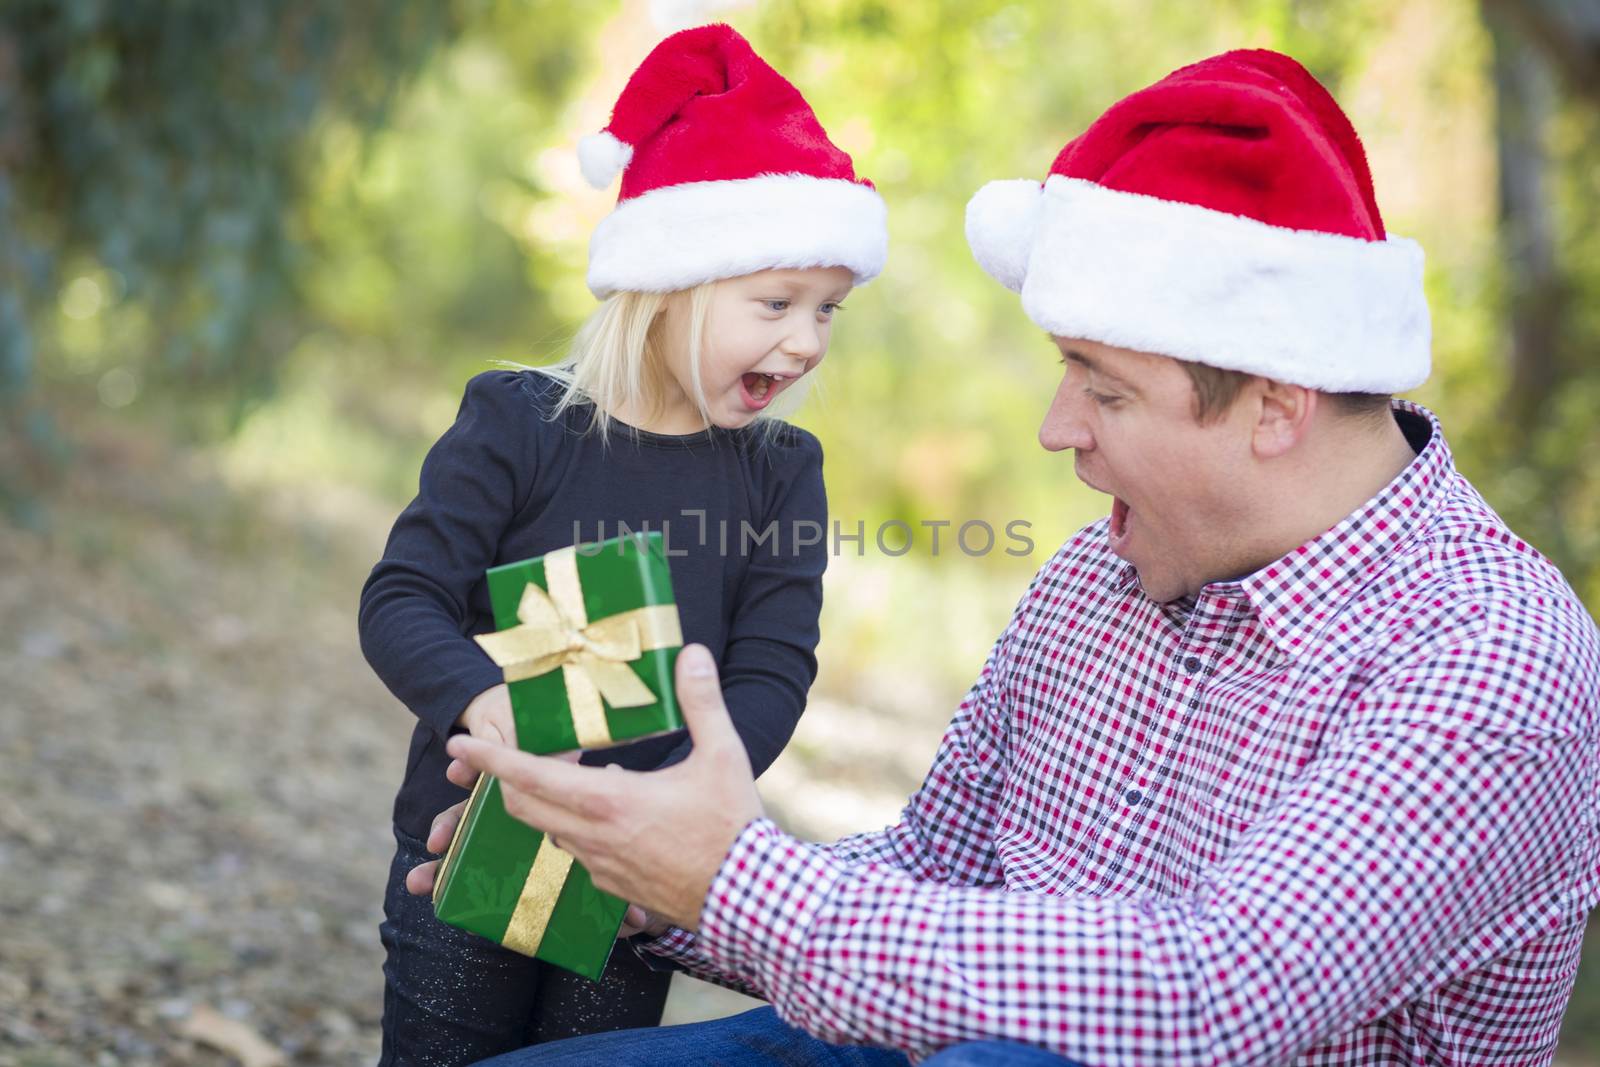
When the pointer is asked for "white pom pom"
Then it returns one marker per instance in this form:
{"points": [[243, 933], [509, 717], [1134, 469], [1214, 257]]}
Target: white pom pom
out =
{"points": [[601, 157], [1000, 226]]}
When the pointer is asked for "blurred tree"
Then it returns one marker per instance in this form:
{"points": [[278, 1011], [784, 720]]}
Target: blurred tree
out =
{"points": [[148, 150], [934, 99], [453, 236], [1540, 457], [1567, 32]]}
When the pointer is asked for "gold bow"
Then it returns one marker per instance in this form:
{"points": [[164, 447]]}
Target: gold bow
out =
{"points": [[554, 631]]}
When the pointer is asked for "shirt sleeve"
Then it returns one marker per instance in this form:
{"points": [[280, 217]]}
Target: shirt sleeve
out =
{"points": [[414, 607], [769, 661], [946, 830], [945, 833], [1449, 796]]}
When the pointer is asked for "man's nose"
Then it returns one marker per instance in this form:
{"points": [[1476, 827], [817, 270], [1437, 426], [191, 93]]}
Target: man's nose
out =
{"points": [[1064, 425]]}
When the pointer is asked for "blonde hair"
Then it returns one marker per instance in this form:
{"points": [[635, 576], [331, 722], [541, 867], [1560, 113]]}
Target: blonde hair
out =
{"points": [[617, 360]]}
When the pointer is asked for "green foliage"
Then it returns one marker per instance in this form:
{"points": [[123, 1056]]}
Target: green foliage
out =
{"points": [[933, 100], [150, 155], [1542, 470], [210, 203]]}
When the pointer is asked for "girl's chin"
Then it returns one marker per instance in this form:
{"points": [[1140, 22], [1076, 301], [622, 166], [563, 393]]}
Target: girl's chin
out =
{"points": [[732, 415]]}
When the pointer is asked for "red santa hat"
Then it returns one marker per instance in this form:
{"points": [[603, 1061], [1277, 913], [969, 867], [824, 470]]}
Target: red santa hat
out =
{"points": [[1224, 215], [725, 171]]}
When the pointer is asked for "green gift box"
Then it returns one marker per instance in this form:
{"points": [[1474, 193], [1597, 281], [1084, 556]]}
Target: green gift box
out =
{"points": [[587, 637], [504, 880]]}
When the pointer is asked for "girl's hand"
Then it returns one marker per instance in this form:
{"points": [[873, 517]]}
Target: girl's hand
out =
{"points": [[488, 717]]}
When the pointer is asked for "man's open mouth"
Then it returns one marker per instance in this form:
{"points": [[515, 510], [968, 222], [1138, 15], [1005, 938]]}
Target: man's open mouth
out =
{"points": [[1119, 518]]}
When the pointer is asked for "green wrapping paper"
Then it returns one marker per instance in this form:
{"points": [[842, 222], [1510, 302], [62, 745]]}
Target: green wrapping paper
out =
{"points": [[503, 880], [587, 637]]}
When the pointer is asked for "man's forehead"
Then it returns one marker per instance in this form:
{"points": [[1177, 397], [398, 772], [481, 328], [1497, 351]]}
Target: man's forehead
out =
{"points": [[1125, 364]]}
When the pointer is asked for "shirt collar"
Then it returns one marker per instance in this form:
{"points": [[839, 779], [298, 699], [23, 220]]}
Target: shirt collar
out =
{"points": [[1294, 594]]}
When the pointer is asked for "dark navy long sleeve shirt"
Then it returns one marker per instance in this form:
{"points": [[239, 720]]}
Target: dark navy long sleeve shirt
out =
{"points": [[744, 515]]}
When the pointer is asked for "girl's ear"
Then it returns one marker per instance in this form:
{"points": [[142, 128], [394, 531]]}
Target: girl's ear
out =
{"points": [[671, 300]]}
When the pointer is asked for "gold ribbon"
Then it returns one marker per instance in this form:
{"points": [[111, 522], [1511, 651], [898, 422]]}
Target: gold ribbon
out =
{"points": [[537, 901], [540, 890], [554, 631], [457, 839]]}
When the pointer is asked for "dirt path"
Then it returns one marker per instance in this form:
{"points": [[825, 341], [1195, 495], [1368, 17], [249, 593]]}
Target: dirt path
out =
{"points": [[197, 773]]}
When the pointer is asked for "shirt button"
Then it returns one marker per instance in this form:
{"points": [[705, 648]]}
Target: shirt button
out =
{"points": [[1133, 796], [1192, 664]]}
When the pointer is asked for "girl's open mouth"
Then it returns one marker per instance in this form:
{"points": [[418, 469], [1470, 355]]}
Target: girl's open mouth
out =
{"points": [[759, 390]]}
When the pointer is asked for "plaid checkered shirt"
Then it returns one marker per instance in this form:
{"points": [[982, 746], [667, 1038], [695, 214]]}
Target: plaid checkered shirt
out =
{"points": [[1341, 811]]}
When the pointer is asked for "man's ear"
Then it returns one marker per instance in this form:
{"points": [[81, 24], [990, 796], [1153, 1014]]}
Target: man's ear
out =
{"points": [[1283, 417]]}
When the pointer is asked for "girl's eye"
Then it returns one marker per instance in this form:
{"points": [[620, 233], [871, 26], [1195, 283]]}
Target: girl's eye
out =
{"points": [[827, 310], [776, 305]]}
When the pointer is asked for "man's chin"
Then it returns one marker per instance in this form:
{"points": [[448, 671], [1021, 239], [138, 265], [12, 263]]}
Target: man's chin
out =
{"points": [[1162, 588]]}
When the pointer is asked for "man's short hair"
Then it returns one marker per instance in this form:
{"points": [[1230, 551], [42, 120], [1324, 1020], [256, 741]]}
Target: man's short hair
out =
{"points": [[1216, 389]]}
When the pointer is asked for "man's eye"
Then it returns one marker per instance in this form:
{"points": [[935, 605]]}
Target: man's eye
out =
{"points": [[1103, 399]]}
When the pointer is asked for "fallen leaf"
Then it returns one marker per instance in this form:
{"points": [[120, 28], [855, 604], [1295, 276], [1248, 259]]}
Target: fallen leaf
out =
{"points": [[239, 1040]]}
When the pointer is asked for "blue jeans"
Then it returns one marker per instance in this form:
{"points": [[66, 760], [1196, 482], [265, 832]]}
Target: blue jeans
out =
{"points": [[756, 1037]]}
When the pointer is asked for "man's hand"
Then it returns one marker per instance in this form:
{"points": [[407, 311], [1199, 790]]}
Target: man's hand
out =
{"points": [[489, 717], [639, 921], [654, 838], [419, 880]]}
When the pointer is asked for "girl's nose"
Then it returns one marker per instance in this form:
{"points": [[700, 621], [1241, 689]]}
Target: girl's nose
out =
{"points": [[804, 341], [1064, 425]]}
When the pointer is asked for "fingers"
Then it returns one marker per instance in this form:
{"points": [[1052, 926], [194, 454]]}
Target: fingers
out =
{"points": [[419, 880], [444, 827], [700, 696], [547, 777], [461, 774], [568, 800], [568, 829], [580, 807]]}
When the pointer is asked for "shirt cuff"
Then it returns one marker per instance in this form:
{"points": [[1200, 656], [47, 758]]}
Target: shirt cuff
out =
{"points": [[653, 954], [453, 692], [676, 944], [763, 902]]}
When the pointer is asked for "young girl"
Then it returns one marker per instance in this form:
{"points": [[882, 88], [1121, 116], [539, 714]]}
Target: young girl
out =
{"points": [[739, 229]]}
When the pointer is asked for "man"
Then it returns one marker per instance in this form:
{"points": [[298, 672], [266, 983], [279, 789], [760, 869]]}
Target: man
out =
{"points": [[1292, 758]]}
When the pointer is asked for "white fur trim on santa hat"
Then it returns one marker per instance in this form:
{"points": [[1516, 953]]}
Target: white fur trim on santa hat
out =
{"points": [[678, 236], [1001, 219], [601, 158], [1321, 310]]}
